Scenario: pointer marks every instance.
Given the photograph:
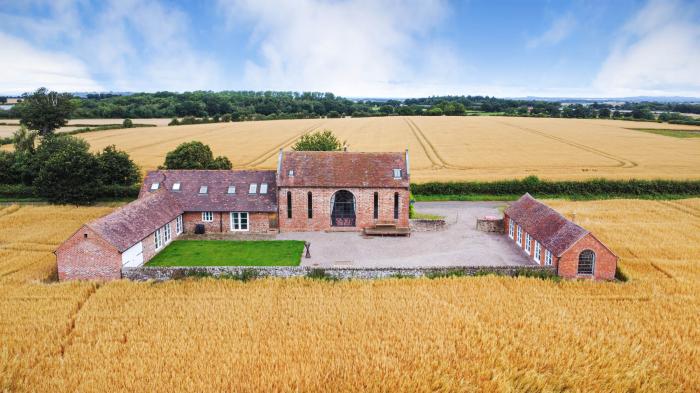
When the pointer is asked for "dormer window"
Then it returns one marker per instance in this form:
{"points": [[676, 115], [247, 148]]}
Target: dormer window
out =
{"points": [[263, 188], [253, 188], [397, 173], [176, 186], [155, 186], [290, 173], [203, 189], [231, 190]]}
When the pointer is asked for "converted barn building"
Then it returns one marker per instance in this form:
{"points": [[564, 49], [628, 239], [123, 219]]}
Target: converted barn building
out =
{"points": [[552, 240], [342, 191]]}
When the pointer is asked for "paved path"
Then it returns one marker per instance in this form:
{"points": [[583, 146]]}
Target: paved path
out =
{"points": [[459, 245]]}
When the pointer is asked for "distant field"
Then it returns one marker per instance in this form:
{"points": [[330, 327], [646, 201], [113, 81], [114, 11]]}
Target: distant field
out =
{"points": [[459, 334], [446, 148], [11, 125]]}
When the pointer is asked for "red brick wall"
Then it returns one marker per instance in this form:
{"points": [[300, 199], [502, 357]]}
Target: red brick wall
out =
{"points": [[91, 258], [364, 202], [258, 222], [605, 261]]}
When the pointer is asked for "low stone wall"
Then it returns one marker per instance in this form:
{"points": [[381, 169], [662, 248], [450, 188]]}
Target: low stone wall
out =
{"points": [[427, 225], [169, 273], [489, 224]]}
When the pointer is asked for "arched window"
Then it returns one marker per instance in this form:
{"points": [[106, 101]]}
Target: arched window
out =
{"points": [[310, 206], [376, 205], [289, 204], [586, 262], [396, 206]]}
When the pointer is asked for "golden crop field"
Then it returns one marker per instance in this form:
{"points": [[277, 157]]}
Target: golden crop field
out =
{"points": [[455, 334], [445, 148]]}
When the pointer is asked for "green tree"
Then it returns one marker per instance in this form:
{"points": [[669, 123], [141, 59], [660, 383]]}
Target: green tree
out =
{"points": [[127, 123], [604, 113], [70, 174], [333, 115], [386, 109], [116, 167], [194, 155], [45, 111], [404, 111], [319, 141], [9, 173], [24, 140], [434, 111]]}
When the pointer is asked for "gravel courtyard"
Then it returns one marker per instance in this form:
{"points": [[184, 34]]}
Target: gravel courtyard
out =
{"points": [[459, 245]]}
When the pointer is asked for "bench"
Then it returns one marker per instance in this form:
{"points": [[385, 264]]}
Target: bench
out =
{"points": [[387, 228]]}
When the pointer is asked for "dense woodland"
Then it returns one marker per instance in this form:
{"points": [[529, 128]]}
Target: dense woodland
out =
{"points": [[251, 105]]}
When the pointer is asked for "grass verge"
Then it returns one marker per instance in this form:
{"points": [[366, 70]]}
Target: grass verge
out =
{"points": [[230, 253]]}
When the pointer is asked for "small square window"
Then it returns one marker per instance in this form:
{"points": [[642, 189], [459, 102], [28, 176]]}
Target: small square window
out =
{"points": [[253, 188], [176, 187], [263, 188], [397, 173], [231, 190], [203, 189], [291, 173], [155, 186]]}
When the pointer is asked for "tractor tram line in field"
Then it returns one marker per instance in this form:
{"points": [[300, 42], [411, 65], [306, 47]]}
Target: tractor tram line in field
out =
{"points": [[272, 152]]}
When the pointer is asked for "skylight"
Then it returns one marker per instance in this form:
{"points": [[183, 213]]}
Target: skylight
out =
{"points": [[155, 186], [263, 188], [203, 189], [397, 173], [231, 190], [176, 186], [253, 188], [291, 173]]}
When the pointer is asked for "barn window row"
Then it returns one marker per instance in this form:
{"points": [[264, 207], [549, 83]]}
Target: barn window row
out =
{"points": [[375, 212]]}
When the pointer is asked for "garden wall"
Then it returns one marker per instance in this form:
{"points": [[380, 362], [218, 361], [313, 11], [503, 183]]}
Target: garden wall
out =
{"points": [[169, 273], [420, 225]]}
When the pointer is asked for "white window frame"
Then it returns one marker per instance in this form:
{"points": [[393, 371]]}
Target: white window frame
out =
{"points": [[511, 228], [253, 188], [208, 216], [231, 190], [167, 234], [263, 188], [528, 242], [519, 238], [178, 224], [537, 255], [176, 186], [290, 173], [236, 221], [158, 239], [397, 173], [547, 257], [155, 186], [203, 190]]}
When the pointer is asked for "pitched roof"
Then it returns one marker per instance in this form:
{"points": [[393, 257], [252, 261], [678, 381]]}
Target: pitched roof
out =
{"points": [[544, 224], [342, 169], [131, 223], [217, 197]]}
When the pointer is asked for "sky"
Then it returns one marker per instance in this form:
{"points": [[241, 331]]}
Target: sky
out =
{"points": [[354, 48]]}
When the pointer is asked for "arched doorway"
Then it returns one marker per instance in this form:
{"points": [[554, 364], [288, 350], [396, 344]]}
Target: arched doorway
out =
{"points": [[343, 209]]}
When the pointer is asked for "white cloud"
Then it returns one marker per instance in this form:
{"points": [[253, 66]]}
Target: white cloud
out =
{"points": [[657, 52], [560, 29], [26, 68], [356, 47]]}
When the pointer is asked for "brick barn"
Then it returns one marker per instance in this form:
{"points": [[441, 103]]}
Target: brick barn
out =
{"points": [[340, 191], [552, 240]]}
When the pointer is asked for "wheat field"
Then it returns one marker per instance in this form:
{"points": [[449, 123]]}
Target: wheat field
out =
{"points": [[445, 148], [453, 334]]}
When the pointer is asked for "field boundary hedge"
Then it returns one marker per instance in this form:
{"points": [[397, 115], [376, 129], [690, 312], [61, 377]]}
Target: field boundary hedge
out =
{"points": [[545, 188], [21, 191]]}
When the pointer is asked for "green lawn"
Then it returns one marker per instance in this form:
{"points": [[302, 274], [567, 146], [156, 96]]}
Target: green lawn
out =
{"points": [[230, 253]]}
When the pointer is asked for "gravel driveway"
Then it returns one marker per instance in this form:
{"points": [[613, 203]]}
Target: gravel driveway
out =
{"points": [[459, 245]]}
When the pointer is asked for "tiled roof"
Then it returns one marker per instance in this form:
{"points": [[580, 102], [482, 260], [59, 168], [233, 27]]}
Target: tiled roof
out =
{"points": [[544, 224], [131, 223], [342, 169], [217, 197]]}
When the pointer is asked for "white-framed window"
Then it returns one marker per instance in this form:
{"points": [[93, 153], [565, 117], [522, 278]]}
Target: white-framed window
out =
{"points": [[178, 224], [511, 228], [263, 188], [519, 239], [239, 221], [528, 242], [155, 186], [176, 186], [290, 173], [537, 251], [253, 188], [207, 216], [231, 190], [166, 233], [158, 237], [547, 257], [397, 173], [203, 189]]}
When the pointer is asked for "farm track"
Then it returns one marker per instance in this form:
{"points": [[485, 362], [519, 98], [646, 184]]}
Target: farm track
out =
{"points": [[428, 148], [622, 162], [683, 209], [270, 153], [69, 336]]}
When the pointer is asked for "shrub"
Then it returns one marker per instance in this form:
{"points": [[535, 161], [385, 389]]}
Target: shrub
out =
{"points": [[127, 123], [69, 175], [446, 273], [116, 168], [194, 155], [320, 274], [318, 141], [174, 122]]}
